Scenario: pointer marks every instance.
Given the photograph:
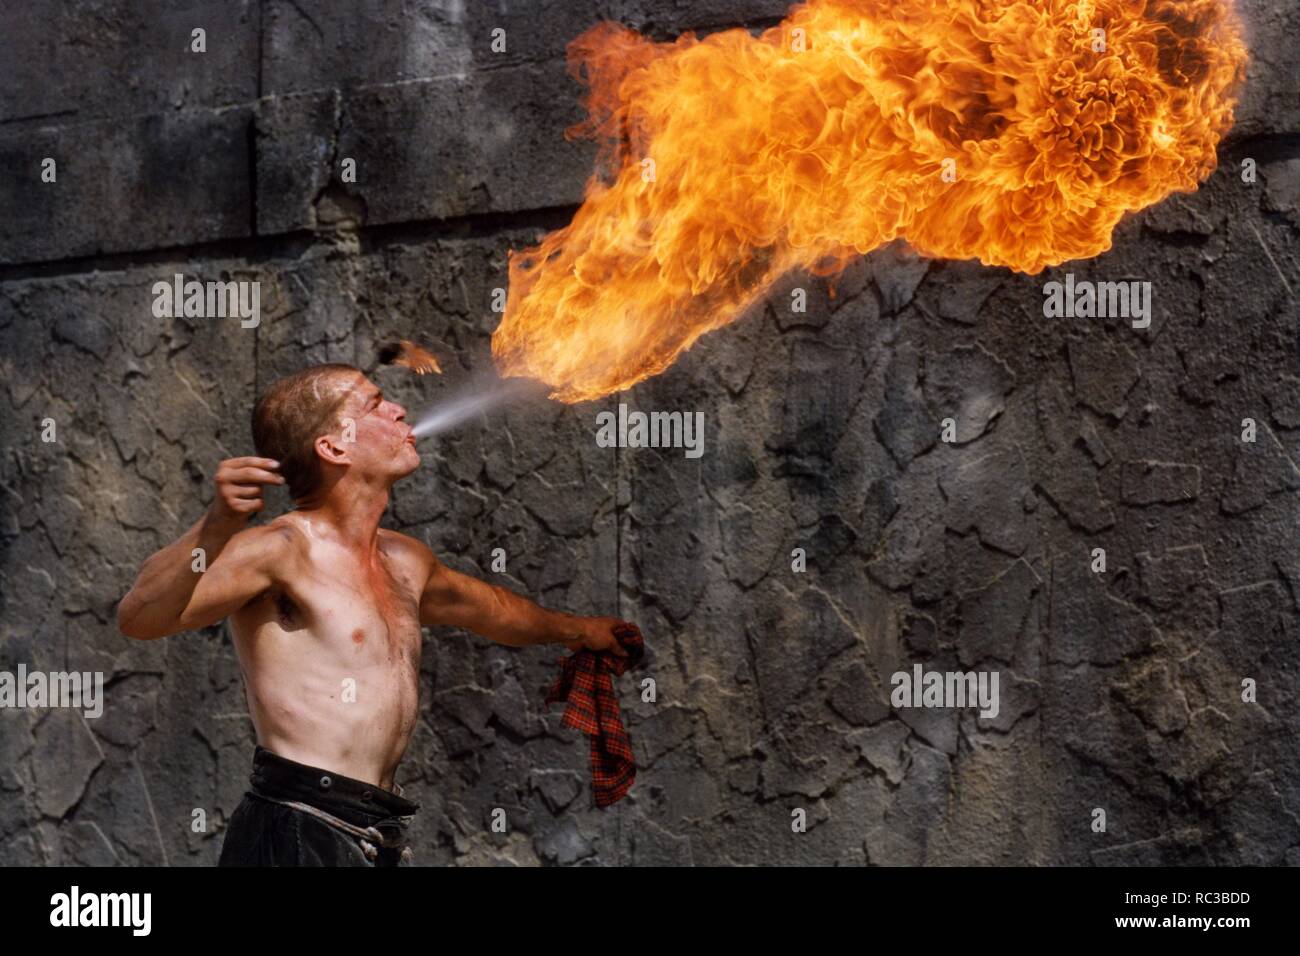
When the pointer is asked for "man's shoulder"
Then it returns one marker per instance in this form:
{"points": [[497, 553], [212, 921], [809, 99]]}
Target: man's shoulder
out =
{"points": [[276, 538], [410, 554], [404, 545]]}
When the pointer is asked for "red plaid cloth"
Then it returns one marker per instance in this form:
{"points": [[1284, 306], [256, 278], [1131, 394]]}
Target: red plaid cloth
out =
{"points": [[586, 681]]}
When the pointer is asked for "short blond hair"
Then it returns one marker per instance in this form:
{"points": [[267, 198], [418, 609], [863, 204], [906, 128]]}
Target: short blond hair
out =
{"points": [[288, 417]]}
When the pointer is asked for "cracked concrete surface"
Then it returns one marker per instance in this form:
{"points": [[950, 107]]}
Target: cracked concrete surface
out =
{"points": [[1119, 690]]}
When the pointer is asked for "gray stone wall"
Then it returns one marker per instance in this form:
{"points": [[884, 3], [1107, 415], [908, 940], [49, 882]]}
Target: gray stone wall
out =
{"points": [[1120, 690]]}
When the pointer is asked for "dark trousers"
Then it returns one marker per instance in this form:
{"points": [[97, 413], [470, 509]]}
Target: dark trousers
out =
{"points": [[263, 832]]}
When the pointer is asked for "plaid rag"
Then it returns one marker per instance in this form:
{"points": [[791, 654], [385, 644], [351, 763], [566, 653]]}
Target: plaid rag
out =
{"points": [[586, 681]]}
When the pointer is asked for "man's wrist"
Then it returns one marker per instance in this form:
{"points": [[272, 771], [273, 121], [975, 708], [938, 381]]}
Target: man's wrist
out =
{"points": [[565, 627], [221, 524]]}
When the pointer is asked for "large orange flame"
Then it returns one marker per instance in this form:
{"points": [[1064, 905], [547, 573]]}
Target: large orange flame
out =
{"points": [[733, 159]]}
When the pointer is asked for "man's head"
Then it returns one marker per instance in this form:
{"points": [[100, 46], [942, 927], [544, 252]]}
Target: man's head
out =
{"points": [[327, 420]]}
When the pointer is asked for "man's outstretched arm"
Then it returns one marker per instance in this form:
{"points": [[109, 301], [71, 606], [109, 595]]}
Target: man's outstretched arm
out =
{"points": [[459, 600], [170, 596]]}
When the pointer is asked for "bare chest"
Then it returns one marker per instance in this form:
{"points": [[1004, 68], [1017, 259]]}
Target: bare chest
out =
{"points": [[368, 617]]}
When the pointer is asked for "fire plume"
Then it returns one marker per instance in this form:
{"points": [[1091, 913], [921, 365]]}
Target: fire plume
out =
{"points": [[1011, 132]]}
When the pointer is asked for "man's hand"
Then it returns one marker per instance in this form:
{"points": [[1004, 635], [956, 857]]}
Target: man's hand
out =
{"points": [[239, 484], [597, 634]]}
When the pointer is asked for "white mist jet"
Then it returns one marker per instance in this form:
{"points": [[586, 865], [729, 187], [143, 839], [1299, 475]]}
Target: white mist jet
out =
{"points": [[479, 395]]}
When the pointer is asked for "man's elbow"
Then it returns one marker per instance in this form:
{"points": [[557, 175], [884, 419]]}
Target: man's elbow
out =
{"points": [[131, 623]]}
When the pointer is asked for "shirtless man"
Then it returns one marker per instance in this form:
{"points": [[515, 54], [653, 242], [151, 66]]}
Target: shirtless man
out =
{"points": [[326, 609]]}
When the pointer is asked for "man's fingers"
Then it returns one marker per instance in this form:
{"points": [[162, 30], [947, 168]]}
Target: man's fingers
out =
{"points": [[243, 506], [240, 492], [615, 645], [251, 462], [247, 474]]}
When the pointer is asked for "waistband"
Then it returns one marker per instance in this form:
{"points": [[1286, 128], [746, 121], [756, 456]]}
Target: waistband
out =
{"points": [[355, 801]]}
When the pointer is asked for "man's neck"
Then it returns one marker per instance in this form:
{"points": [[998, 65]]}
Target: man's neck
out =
{"points": [[351, 512]]}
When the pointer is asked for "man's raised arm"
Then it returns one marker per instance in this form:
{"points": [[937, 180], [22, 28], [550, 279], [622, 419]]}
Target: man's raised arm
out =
{"points": [[170, 595], [458, 600]]}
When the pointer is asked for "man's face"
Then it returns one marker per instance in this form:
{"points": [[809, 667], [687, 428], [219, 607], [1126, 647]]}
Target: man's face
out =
{"points": [[373, 431]]}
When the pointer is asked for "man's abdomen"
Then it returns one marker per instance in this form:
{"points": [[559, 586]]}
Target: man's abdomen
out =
{"points": [[355, 719]]}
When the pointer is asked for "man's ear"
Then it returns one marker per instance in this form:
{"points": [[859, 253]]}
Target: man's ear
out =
{"points": [[332, 450]]}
